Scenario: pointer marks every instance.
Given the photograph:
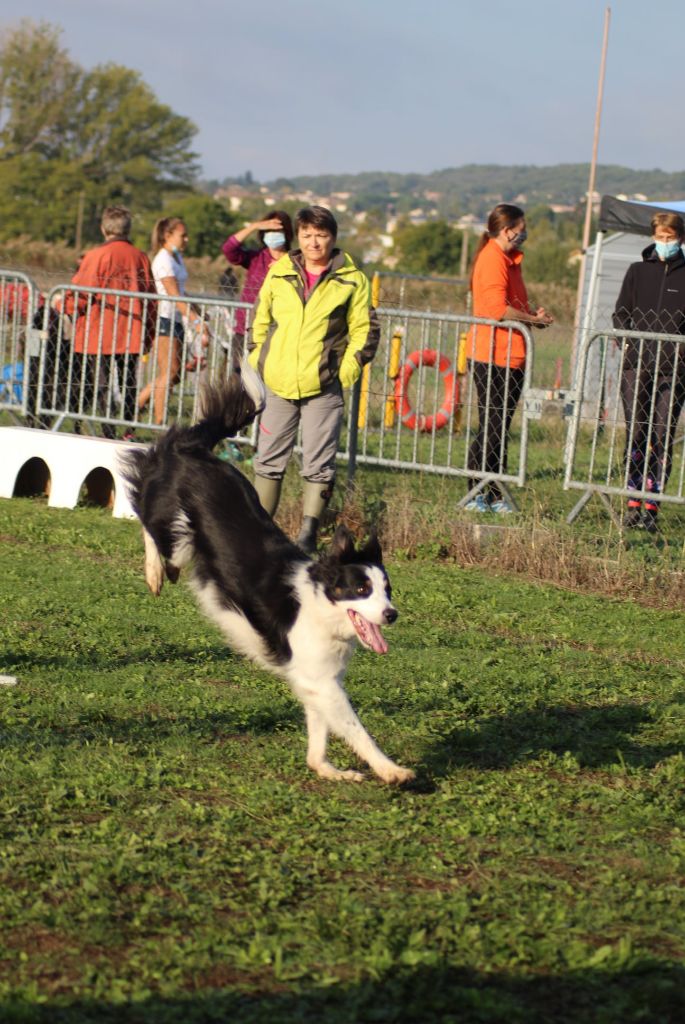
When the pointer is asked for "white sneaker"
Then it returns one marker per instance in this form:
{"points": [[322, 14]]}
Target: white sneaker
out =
{"points": [[501, 507], [477, 504]]}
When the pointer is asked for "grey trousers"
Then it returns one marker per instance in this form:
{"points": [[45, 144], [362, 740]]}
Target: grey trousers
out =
{"points": [[321, 417]]}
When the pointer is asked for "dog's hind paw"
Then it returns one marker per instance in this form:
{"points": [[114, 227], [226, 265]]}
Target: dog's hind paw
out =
{"points": [[327, 771], [396, 775]]}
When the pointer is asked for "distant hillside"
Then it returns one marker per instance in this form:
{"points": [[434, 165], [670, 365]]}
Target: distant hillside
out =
{"points": [[476, 187]]}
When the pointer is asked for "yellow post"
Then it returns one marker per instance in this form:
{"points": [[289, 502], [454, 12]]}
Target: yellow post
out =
{"points": [[375, 289], [393, 373]]}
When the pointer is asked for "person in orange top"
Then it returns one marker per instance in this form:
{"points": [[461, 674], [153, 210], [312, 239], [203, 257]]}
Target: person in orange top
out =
{"points": [[108, 325], [498, 354]]}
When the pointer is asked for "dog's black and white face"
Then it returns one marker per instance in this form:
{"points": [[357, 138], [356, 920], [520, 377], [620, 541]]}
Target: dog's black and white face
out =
{"points": [[357, 583]]}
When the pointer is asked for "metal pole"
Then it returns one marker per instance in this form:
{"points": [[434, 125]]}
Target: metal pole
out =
{"points": [[353, 434], [79, 222], [590, 188], [464, 262], [598, 119]]}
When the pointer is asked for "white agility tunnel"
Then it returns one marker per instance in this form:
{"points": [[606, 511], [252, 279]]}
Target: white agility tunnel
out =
{"points": [[61, 465]]}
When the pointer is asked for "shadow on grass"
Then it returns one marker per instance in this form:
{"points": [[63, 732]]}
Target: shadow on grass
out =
{"points": [[148, 727], [647, 991], [596, 736], [102, 658]]}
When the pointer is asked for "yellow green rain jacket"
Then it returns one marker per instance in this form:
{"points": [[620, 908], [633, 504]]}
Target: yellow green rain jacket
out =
{"points": [[299, 345]]}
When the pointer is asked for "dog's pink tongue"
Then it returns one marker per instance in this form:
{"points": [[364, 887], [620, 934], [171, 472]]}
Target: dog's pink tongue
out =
{"points": [[368, 632], [376, 638]]}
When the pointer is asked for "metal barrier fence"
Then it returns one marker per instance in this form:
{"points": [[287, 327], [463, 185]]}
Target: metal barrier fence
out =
{"points": [[19, 342], [104, 359], [421, 292], [103, 362], [417, 406], [623, 434]]}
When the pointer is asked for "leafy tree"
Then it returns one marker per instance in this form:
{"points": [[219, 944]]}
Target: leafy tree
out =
{"points": [[38, 86], [433, 248], [72, 137]]}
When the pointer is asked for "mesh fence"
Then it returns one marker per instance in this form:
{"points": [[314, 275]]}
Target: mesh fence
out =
{"points": [[424, 405], [98, 362], [108, 358], [625, 436], [19, 302]]}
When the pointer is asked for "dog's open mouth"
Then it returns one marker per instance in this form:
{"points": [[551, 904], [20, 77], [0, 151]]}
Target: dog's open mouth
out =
{"points": [[368, 632]]}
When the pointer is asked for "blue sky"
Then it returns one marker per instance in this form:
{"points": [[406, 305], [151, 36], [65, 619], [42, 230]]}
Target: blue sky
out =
{"points": [[318, 86]]}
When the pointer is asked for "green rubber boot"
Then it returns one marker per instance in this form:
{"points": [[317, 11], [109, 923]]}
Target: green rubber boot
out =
{"points": [[269, 492], [316, 498]]}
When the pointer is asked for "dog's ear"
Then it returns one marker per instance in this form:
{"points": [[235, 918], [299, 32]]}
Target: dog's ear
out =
{"points": [[371, 552], [342, 547]]}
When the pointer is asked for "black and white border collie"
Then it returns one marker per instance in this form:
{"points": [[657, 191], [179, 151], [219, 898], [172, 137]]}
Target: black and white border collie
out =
{"points": [[297, 617]]}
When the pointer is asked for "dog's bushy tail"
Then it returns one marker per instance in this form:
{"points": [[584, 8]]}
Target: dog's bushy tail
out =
{"points": [[226, 408]]}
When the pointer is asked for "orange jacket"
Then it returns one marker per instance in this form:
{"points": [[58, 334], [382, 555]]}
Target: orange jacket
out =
{"points": [[109, 324], [497, 283]]}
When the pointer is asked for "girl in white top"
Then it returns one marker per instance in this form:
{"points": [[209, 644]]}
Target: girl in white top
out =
{"points": [[169, 239]]}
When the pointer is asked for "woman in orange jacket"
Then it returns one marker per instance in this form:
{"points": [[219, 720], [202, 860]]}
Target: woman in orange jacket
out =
{"points": [[498, 354]]}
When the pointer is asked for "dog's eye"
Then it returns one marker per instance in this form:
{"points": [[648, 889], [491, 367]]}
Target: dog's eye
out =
{"points": [[363, 589]]}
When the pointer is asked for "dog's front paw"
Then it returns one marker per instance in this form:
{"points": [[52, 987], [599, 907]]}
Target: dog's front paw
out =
{"points": [[396, 775], [154, 577]]}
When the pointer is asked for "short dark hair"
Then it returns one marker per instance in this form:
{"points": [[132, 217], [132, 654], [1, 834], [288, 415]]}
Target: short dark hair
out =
{"points": [[316, 217]]}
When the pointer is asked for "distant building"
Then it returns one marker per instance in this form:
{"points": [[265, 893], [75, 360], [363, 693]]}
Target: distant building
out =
{"points": [[235, 194], [469, 222]]}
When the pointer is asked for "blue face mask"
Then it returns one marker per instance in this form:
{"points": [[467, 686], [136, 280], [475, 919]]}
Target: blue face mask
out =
{"points": [[274, 239], [519, 238], [667, 250]]}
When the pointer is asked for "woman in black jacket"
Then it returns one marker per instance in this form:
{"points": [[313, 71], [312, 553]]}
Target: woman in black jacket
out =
{"points": [[652, 299]]}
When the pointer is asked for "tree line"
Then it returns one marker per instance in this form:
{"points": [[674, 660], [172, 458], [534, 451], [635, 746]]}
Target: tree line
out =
{"points": [[74, 140]]}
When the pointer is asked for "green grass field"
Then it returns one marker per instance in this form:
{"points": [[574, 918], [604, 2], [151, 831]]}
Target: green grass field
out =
{"points": [[166, 856]]}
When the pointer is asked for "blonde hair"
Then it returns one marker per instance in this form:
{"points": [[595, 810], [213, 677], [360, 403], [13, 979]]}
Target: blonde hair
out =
{"points": [[162, 230], [669, 220]]}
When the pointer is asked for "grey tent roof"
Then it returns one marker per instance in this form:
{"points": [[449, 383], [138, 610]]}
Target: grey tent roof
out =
{"points": [[629, 215]]}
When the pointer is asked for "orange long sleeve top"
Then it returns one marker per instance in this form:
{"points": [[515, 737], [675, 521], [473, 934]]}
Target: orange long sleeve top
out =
{"points": [[112, 325], [498, 283]]}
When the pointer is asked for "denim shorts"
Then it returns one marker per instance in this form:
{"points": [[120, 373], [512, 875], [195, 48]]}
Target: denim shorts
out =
{"points": [[165, 328]]}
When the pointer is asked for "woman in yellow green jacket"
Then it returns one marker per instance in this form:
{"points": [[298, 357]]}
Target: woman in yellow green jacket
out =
{"points": [[312, 332]]}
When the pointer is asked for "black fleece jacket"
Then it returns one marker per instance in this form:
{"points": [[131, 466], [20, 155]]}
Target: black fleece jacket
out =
{"points": [[652, 298]]}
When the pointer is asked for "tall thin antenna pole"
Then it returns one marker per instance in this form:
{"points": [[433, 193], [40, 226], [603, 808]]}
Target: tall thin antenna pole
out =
{"points": [[595, 144], [590, 193]]}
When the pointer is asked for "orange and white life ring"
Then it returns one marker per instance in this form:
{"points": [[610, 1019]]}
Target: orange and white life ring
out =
{"points": [[410, 417]]}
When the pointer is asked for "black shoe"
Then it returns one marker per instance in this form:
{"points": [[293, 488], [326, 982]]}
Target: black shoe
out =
{"points": [[633, 517], [649, 520]]}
